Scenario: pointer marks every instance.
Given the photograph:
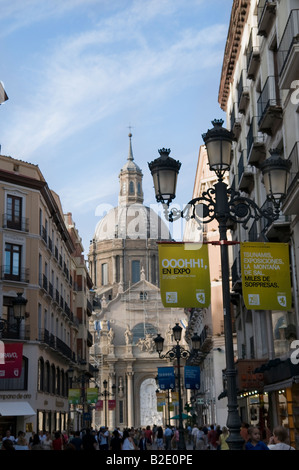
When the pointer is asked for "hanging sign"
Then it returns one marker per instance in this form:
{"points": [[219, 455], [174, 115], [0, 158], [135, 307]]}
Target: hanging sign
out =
{"points": [[111, 404], [92, 395], [160, 399], [266, 280], [166, 378], [74, 396], [99, 405], [184, 275], [175, 398], [11, 358], [192, 377]]}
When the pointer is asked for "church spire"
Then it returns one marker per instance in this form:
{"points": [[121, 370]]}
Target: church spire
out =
{"points": [[130, 154], [130, 179]]}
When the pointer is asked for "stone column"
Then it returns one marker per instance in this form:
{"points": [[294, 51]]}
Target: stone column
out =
{"points": [[130, 398]]}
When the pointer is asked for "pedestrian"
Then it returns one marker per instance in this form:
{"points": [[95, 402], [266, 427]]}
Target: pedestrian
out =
{"points": [[254, 442], [36, 443], [244, 431], [57, 443], [168, 436], [149, 435], [47, 442], [142, 442], [212, 438], [77, 441], [194, 434], [159, 438], [279, 439], [7, 444], [21, 443], [103, 438], [88, 441], [175, 439], [115, 442], [9, 436], [127, 441], [223, 445]]}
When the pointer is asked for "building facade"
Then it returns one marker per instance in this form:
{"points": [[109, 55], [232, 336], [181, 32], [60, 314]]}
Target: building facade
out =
{"points": [[259, 93], [42, 261], [128, 312]]}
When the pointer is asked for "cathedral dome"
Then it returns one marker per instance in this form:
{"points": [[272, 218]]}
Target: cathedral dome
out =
{"points": [[134, 221]]}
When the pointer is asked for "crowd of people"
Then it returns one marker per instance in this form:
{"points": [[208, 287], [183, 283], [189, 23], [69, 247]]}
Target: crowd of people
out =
{"points": [[215, 438], [147, 438]]}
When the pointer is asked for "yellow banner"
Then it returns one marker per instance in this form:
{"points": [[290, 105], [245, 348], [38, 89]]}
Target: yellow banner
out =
{"points": [[160, 398], [184, 275], [266, 280]]}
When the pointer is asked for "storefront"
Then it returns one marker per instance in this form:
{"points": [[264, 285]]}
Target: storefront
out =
{"points": [[16, 415]]}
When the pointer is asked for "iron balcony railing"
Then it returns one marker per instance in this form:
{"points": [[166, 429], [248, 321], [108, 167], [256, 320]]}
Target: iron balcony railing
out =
{"points": [[268, 97], [289, 38]]}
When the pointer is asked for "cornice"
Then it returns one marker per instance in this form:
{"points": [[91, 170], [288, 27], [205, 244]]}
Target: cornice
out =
{"points": [[238, 19]]}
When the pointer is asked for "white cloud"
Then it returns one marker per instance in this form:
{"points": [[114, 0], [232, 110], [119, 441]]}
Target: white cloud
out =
{"points": [[89, 77]]}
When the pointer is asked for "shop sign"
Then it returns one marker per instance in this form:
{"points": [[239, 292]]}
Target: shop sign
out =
{"points": [[11, 357], [247, 380]]}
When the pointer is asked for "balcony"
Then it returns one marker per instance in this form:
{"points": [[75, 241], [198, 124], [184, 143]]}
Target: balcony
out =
{"points": [[277, 231], [253, 55], [245, 175], [18, 275], [235, 123], [269, 107], [20, 223], [256, 149], [243, 93], [288, 52], [290, 204], [266, 11]]}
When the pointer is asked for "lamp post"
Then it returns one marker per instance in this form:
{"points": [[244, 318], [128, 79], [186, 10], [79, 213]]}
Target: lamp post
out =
{"points": [[177, 352], [225, 204], [82, 379], [19, 309], [106, 394]]}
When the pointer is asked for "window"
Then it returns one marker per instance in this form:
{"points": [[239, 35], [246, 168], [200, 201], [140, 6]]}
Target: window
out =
{"points": [[135, 271], [131, 188], [104, 274], [12, 268], [14, 212]]}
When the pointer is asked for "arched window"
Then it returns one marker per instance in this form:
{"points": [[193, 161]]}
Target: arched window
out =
{"points": [[53, 379], [58, 383], [41, 375], [131, 188], [138, 188], [141, 330], [47, 377]]}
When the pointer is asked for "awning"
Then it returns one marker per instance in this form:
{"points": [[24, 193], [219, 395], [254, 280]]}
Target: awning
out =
{"points": [[19, 408]]}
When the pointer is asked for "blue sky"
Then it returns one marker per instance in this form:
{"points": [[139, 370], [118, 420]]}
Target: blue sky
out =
{"points": [[78, 73]]}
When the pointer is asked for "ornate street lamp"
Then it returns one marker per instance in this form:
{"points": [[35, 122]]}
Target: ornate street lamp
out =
{"points": [[165, 171], [177, 352], [225, 204], [106, 394], [19, 309]]}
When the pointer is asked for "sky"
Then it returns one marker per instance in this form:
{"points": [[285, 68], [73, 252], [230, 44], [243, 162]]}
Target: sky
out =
{"points": [[81, 74]]}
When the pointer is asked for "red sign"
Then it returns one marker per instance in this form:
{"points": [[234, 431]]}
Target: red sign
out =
{"points": [[99, 405], [11, 356], [111, 404]]}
